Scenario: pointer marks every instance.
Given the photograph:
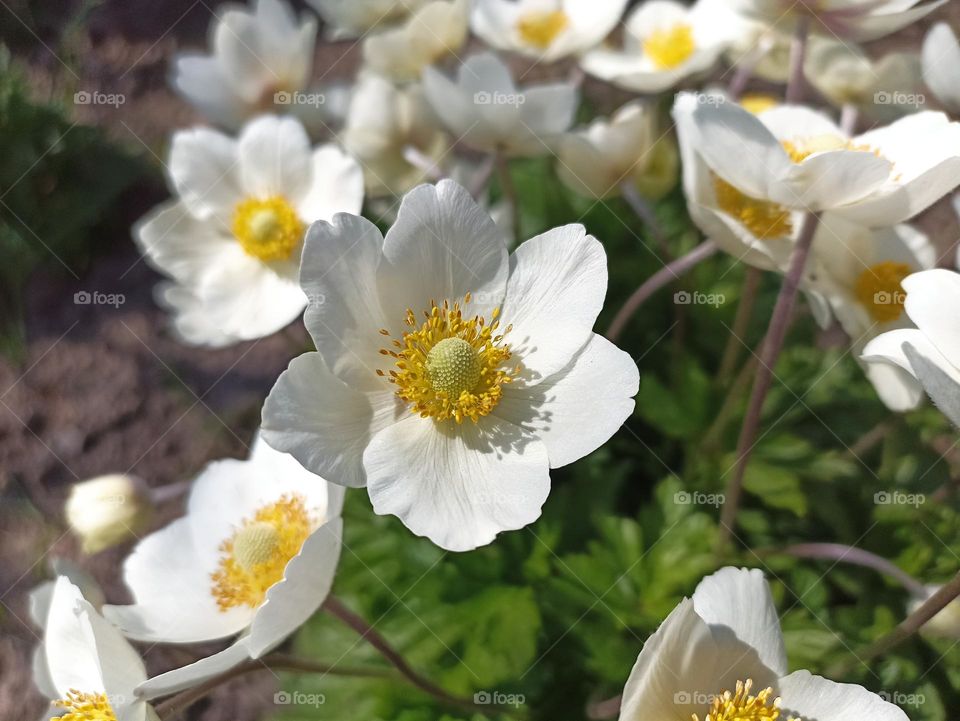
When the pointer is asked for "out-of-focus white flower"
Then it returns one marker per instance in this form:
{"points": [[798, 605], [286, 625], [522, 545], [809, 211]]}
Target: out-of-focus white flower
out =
{"points": [[941, 58], [257, 56], [255, 554], [859, 20], [231, 240], [90, 669], [664, 42], [946, 624], [764, 48], [433, 32], [383, 125], [107, 510], [450, 377], [546, 29], [350, 18], [486, 110], [627, 148], [720, 655]]}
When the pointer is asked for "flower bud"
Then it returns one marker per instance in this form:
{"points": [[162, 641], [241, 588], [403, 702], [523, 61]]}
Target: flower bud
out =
{"points": [[945, 624], [107, 510]]}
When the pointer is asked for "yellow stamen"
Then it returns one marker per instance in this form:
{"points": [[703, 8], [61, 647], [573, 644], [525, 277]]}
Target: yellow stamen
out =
{"points": [[879, 290], [670, 47], [449, 366], [540, 28], [741, 706], [255, 557], [762, 218], [267, 228], [800, 150], [85, 707]]}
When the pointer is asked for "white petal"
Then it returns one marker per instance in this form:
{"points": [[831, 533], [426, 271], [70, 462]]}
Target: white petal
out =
{"points": [[548, 110], [941, 58], [275, 158], [286, 469], [237, 46], [204, 170], [120, 665], [196, 673], [457, 485], [813, 697], [72, 659], [933, 297], [897, 388], [888, 348], [202, 83], [831, 180], [336, 185]]}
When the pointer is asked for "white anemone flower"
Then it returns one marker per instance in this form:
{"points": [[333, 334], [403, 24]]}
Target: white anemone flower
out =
{"points": [[450, 377], [434, 32], [720, 655], [795, 158], [664, 42], [256, 55], [941, 58], [255, 555], [90, 669], [485, 109], [545, 29], [860, 20], [351, 18], [231, 240]]}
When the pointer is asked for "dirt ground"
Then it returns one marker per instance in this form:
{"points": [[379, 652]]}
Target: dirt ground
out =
{"points": [[107, 389]]}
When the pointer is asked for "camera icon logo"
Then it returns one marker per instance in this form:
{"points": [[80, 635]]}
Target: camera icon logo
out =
{"points": [[682, 297], [82, 97], [282, 97], [482, 98], [282, 698], [481, 697], [82, 297]]}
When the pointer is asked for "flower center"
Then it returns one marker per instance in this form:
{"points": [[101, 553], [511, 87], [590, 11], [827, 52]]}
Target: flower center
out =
{"points": [[761, 217], [669, 47], [450, 366], [254, 558], [540, 28], [878, 289], [267, 228], [757, 103], [741, 706], [85, 707]]}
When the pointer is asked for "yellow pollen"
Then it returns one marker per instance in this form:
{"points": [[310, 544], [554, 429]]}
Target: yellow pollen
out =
{"points": [[267, 228], [669, 47], [450, 366], [85, 707], [540, 28], [741, 706], [254, 558], [757, 103], [763, 219], [878, 289], [800, 150]]}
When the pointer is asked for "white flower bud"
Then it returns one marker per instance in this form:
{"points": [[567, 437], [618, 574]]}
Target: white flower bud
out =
{"points": [[107, 510], [945, 624]]}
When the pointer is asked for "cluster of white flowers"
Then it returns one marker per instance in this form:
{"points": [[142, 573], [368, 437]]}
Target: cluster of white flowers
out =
{"points": [[449, 374]]}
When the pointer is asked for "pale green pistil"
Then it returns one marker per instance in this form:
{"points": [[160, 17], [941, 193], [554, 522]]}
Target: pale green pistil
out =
{"points": [[453, 366], [255, 544]]}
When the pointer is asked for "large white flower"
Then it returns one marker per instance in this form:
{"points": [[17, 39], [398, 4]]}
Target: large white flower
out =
{"points": [[255, 554], [720, 655], [231, 241], [486, 110], [664, 42], [87, 665], [795, 158], [941, 58], [546, 29], [350, 18], [449, 377], [256, 54]]}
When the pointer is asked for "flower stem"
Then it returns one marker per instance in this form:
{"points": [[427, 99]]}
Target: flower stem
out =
{"points": [[482, 178], [509, 192], [670, 272], [797, 84], [641, 206], [748, 298], [770, 351], [606, 709], [857, 557]]}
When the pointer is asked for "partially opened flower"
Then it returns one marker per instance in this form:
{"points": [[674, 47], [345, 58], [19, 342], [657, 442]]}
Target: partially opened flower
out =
{"points": [[941, 58], [433, 32], [89, 665], [485, 109], [545, 29], [664, 43], [350, 18], [231, 240], [255, 555], [256, 55], [449, 378], [720, 655]]}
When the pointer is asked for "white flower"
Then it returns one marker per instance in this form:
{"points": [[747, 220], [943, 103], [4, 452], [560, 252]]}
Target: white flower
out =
{"points": [[664, 42], [255, 554], [941, 58], [627, 148], [486, 110], [90, 669], [257, 54], [433, 32], [449, 377], [107, 510], [795, 158], [231, 241], [350, 18], [546, 29], [860, 20], [721, 655]]}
